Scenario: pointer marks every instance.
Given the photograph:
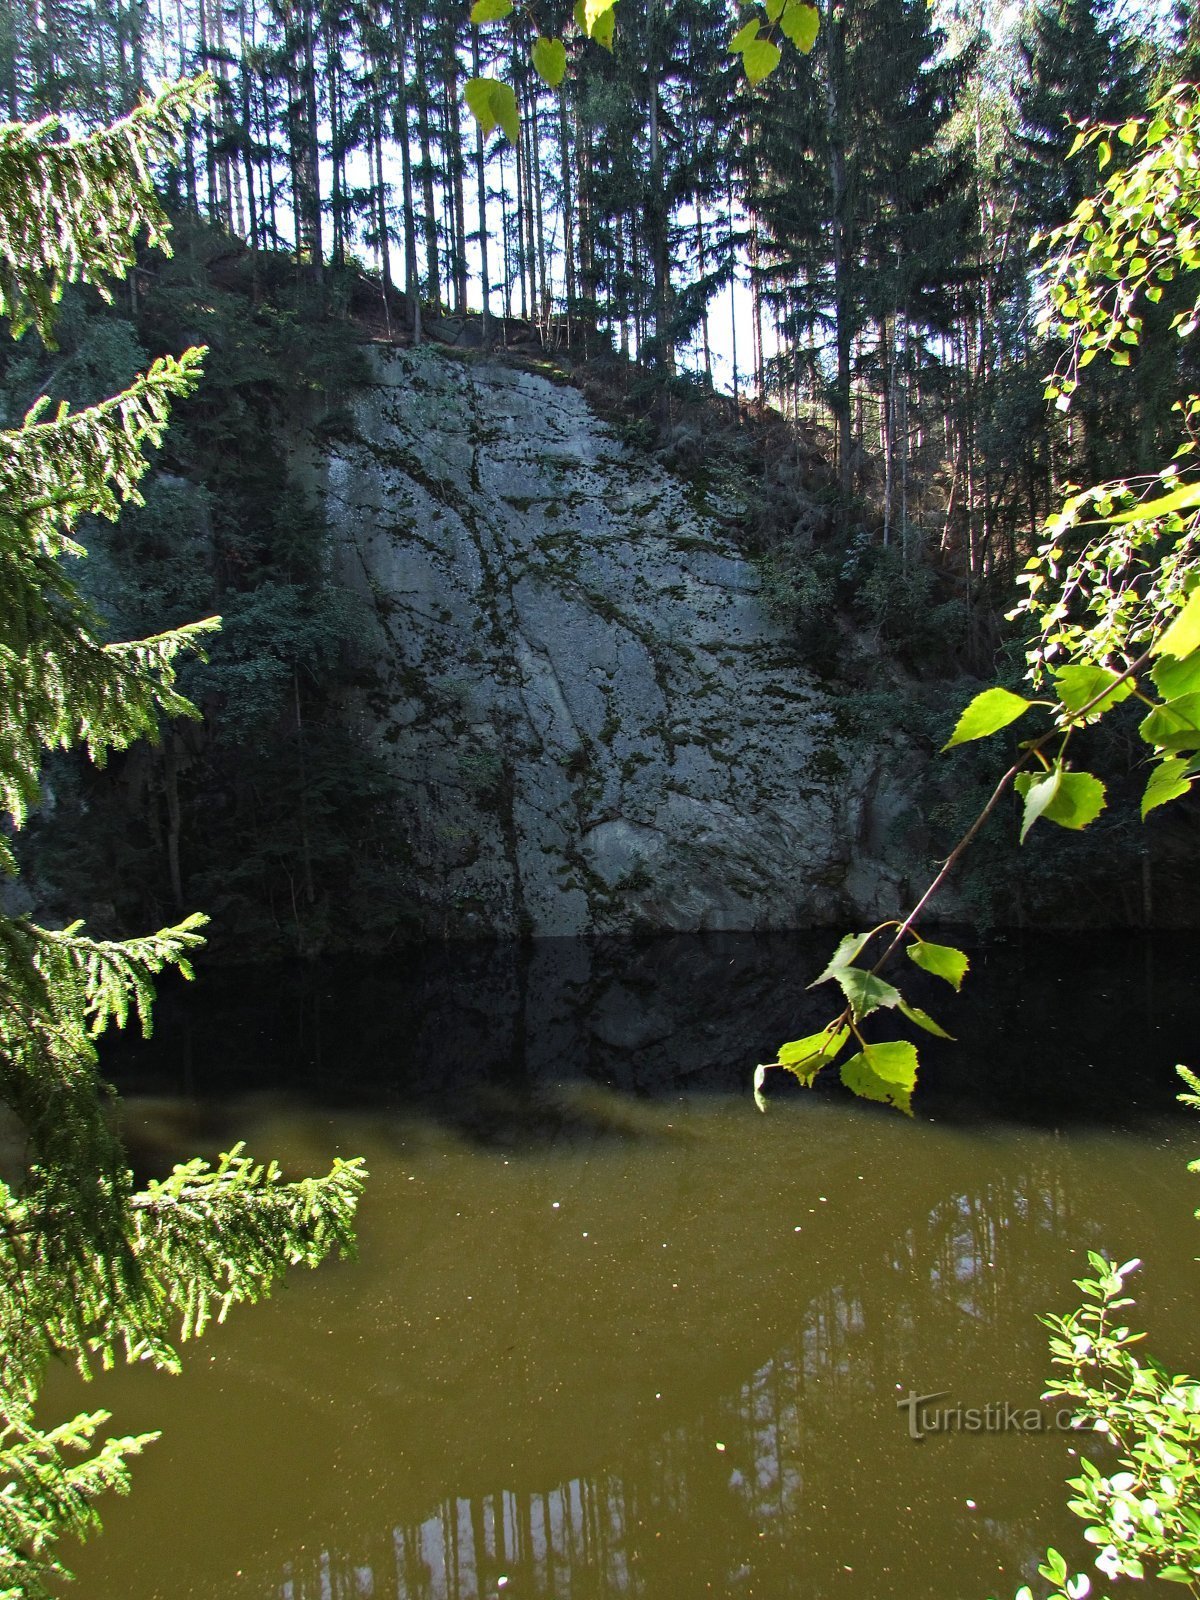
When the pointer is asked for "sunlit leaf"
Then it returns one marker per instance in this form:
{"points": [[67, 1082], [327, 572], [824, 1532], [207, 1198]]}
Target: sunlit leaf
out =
{"points": [[806, 1057], [849, 948], [550, 61], [987, 714], [1183, 636], [1079, 684], [1071, 799], [484, 11], [943, 960], [1185, 498], [1168, 781], [865, 991], [1175, 725], [593, 10], [1173, 677], [884, 1072], [924, 1020], [760, 58], [800, 23], [478, 95], [604, 28], [744, 36]]}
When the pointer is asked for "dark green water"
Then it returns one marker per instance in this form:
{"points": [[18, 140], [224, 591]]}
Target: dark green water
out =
{"points": [[612, 1332]]}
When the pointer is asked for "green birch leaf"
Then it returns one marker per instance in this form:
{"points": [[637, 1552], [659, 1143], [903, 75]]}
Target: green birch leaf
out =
{"points": [[1038, 792], [806, 1057], [593, 10], [924, 1020], [1079, 685], [1185, 498], [1168, 781], [773, 8], [478, 95], [549, 58], [760, 58], [485, 11], [987, 714], [1174, 678], [884, 1072], [865, 992], [943, 960], [504, 105], [1072, 799], [742, 38], [1175, 725], [848, 951], [801, 23], [604, 29], [1182, 638]]}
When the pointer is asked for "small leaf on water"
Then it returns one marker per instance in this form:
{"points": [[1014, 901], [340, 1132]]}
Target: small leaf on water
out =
{"points": [[1168, 781], [1175, 725], [549, 58], [987, 714], [760, 58], [1072, 799], [484, 11], [1183, 636], [1079, 685], [865, 992], [801, 23], [924, 1020], [884, 1072], [943, 960]]}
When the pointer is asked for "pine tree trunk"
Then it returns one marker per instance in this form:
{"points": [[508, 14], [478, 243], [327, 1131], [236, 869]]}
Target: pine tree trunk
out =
{"points": [[457, 165], [433, 282], [400, 133], [481, 202]]}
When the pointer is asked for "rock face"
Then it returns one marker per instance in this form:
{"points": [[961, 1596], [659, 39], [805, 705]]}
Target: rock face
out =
{"points": [[593, 723]]}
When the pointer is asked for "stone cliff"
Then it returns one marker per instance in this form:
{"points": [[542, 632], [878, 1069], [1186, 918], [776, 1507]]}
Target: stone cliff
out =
{"points": [[593, 722]]}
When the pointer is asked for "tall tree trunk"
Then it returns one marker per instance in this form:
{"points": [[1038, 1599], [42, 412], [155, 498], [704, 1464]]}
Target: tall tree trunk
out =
{"points": [[564, 157], [481, 201], [456, 162], [400, 133], [311, 149], [843, 330], [433, 282]]}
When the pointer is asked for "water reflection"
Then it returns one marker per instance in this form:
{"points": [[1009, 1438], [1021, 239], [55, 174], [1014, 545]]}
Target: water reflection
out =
{"points": [[612, 1333], [1048, 1027]]}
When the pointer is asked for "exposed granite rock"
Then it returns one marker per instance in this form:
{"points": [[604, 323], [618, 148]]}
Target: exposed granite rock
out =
{"points": [[593, 721]]}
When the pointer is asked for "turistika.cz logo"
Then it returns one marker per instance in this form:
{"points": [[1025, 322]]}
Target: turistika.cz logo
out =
{"points": [[1001, 1416]]}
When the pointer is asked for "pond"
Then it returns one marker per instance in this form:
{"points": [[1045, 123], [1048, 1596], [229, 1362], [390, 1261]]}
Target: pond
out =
{"points": [[611, 1331]]}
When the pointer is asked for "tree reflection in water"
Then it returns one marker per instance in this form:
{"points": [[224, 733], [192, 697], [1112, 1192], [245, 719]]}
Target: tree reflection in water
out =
{"points": [[587, 1262]]}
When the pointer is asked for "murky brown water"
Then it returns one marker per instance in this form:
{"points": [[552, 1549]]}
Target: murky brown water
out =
{"points": [[629, 1345]]}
